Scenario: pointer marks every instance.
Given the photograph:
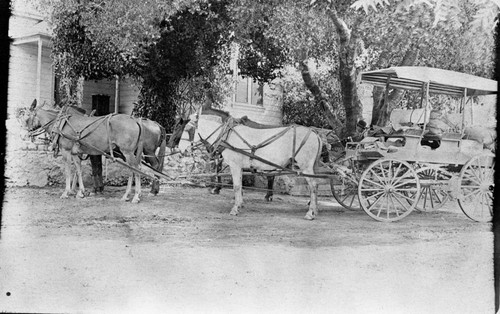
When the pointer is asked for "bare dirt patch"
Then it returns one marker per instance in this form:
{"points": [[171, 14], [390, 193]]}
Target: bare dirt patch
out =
{"points": [[182, 252]]}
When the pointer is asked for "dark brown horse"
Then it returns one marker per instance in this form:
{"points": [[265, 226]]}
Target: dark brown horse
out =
{"points": [[77, 134]]}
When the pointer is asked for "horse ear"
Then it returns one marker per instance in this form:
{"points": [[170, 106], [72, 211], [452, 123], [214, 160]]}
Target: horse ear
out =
{"points": [[33, 105]]}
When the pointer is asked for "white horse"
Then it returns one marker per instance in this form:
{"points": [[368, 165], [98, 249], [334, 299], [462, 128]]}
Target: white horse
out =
{"points": [[295, 147]]}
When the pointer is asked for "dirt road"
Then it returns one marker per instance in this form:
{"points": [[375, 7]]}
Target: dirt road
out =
{"points": [[181, 252]]}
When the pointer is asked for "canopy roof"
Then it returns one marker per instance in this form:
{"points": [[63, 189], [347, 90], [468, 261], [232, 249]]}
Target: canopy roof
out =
{"points": [[440, 81]]}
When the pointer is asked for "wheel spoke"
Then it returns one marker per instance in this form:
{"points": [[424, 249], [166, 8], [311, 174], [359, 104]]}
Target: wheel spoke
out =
{"points": [[396, 172], [439, 197], [374, 195], [409, 171], [352, 200], [475, 191], [405, 183], [383, 171], [402, 203], [404, 196], [372, 171], [375, 203], [426, 191], [396, 210]]}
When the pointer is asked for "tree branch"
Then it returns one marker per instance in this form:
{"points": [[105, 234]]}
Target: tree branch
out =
{"points": [[332, 119], [342, 29]]}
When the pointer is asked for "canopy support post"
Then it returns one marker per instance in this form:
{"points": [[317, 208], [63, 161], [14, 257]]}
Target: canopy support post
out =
{"points": [[39, 70]]}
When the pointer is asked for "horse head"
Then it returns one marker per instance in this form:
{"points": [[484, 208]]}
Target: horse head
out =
{"points": [[27, 117]]}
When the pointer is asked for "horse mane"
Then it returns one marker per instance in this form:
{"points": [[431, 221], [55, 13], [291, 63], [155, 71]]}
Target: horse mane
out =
{"points": [[217, 112]]}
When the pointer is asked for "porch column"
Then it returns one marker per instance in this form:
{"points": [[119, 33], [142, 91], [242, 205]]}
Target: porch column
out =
{"points": [[117, 94], [39, 70]]}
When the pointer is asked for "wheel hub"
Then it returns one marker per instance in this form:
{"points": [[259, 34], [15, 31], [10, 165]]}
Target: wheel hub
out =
{"points": [[389, 188]]}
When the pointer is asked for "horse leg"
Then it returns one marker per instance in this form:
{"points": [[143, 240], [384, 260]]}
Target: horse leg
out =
{"points": [[218, 167], [270, 184], [78, 165], [155, 185], [73, 183], [137, 195], [237, 174], [67, 158], [313, 203], [133, 162], [125, 197], [96, 162]]}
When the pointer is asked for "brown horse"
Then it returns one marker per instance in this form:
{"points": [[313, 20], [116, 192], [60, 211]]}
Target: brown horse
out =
{"points": [[154, 146], [77, 134]]}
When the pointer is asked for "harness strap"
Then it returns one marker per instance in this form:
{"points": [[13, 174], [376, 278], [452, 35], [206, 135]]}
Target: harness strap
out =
{"points": [[302, 143], [241, 151], [108, 130], [140, 142], [266, 142], [294, 140]]}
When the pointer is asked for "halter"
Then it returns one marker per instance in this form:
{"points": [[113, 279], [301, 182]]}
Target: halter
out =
{"points": [[212, 149], [32, 131]]}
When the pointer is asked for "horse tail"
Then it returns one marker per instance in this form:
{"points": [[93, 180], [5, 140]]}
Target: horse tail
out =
{"points": [[163, 145]]}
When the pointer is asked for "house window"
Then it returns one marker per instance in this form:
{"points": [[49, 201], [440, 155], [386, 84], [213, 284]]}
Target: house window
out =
{"points": [[100, 103], [249, 91]]}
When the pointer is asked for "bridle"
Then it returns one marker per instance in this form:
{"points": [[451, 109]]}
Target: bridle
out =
{"points": [[192, 128]]}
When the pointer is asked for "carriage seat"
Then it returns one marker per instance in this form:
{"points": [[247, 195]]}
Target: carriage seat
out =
{"points": [[404, 119]]}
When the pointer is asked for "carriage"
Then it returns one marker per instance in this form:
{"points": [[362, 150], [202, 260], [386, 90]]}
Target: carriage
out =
{"points": [[388, 174], [429, 157]]}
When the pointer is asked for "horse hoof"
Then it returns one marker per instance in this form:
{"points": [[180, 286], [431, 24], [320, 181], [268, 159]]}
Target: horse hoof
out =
{"points": [[309, 217], [64, 196], [80, 195], [214, 191], [269, 198], [233, 212], [125, 199], [135, 200]]}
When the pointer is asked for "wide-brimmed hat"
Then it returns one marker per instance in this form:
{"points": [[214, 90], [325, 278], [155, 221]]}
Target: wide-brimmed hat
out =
{"points": [[361, 124]]}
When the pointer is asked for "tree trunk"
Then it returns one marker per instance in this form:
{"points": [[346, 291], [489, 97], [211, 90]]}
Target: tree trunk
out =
{"points": [[381, 109], [73, 88], [313, 87], [349, 43], [348, 82]]}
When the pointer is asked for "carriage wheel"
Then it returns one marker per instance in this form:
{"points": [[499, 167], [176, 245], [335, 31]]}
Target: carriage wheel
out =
{"points": [[433, 194], [389, 190], [476, 188], [346, 194]]}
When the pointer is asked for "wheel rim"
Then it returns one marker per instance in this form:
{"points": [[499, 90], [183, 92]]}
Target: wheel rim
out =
{"points": [[346, 194], [432, 197], [476, 188], [389, 190]]}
